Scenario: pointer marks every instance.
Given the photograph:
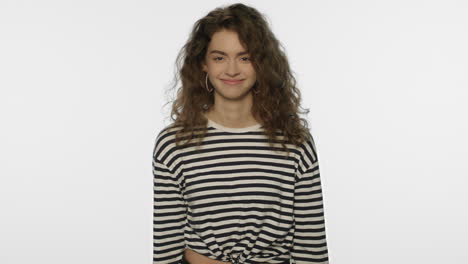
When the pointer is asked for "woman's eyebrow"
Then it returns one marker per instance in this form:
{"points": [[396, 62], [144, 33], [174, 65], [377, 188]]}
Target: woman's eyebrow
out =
{"points": [[224, 53]]}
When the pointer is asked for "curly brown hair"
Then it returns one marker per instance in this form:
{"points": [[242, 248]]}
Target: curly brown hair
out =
{"points": [[278, 100]]}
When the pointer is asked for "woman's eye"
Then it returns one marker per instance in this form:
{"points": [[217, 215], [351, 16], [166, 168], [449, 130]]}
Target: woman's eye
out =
{"points": [[219, 58]]}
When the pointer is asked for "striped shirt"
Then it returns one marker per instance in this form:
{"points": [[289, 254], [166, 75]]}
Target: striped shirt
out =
{"points": [[236, 199]]}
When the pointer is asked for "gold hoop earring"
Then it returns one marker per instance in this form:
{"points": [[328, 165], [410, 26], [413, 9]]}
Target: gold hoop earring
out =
{"points": [[206, 81], [256, 91]]}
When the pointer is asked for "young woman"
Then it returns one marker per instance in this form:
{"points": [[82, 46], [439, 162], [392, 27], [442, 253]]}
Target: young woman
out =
{"points": [[236, 175]]}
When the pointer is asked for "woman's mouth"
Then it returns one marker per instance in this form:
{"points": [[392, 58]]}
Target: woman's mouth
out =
{"points": [[232, 81]]}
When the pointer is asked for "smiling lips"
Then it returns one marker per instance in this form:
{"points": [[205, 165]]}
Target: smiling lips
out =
{"points": [[227, 81]]}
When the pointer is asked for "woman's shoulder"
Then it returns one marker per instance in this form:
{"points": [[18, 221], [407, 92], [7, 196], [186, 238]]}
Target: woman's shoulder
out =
{"points": [[164, 143]]}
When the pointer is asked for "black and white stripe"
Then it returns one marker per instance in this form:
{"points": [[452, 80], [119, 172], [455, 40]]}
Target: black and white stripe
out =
{"points": [[236, 199]]}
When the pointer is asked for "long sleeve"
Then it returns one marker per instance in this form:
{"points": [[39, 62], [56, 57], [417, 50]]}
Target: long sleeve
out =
{"points": [[310, 244], [169, 216]]}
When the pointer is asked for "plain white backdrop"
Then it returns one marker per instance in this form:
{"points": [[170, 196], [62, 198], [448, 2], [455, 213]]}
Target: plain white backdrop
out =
{"points": [[82, 88]]}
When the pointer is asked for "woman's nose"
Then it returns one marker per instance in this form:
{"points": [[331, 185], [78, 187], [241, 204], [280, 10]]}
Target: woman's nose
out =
{"points": [[232, 69]]}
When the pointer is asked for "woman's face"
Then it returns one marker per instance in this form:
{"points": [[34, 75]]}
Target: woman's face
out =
{"points": [[226, 59]]}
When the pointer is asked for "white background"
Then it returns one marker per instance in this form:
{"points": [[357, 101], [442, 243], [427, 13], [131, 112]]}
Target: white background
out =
{"points": [[81, 102]]}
